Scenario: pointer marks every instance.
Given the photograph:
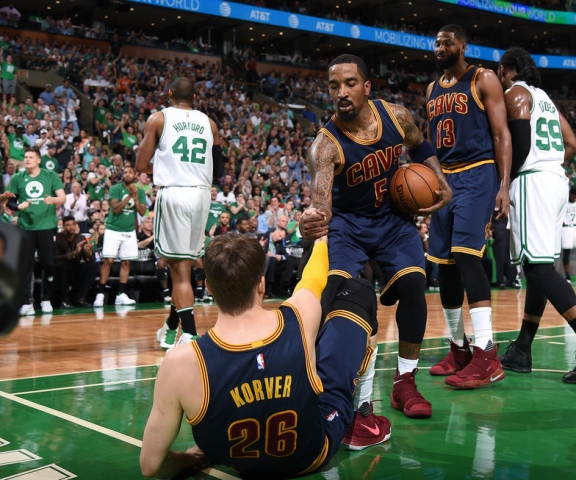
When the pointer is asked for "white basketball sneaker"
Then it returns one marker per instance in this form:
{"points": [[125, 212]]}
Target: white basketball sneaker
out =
{"points": [[124, 299]]}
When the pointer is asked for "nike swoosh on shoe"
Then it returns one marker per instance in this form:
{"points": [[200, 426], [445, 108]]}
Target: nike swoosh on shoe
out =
{"points": [[372, 430]]}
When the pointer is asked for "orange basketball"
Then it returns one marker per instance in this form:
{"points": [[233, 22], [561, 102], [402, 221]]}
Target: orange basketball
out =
{"points": [[413, 187]]}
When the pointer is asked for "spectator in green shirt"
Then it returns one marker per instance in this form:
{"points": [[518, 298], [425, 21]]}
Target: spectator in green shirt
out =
{"points": [[98, 183], [15, 145], [39, 193], [49, 161], [126, 199], [8, 76]]}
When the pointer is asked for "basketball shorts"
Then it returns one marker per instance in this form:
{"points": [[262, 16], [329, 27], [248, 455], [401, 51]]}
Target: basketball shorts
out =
{"points": [[180, 219], [392, 241], [123, 245], [568, 238], [463, 224], [538, 203]]}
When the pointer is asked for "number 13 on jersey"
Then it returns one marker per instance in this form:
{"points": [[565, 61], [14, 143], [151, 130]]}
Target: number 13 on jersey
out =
{"points": [[196, 153]]}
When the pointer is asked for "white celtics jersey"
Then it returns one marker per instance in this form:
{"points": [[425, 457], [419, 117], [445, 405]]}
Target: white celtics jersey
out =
{"points": [[183, 157], [547, 150], [570, 216]]}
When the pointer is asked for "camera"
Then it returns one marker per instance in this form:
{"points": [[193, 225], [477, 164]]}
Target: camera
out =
{"points": [[15, 255]]}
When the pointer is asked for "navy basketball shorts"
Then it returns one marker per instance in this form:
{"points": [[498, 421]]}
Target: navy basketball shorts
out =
{"points": [[463, 225], [392, 241]]}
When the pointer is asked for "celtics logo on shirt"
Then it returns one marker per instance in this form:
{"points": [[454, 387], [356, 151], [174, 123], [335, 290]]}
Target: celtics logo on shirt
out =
{"points": [[129, 206], [50, 165], [34, 190], [18, 144]]}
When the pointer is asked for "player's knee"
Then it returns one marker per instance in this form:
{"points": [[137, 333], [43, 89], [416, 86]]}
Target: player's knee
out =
{"points": [[412, 310], [557, 291], [356, 295], [474, 277], [410, 285], [403, 286], [538, 271]]}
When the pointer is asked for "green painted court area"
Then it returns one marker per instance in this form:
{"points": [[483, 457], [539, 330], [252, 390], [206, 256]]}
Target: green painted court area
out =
{"points": [[90, 425]]}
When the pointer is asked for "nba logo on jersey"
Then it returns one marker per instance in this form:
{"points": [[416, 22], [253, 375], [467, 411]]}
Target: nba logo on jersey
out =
{"points": [[260, 361], [332, 416]]}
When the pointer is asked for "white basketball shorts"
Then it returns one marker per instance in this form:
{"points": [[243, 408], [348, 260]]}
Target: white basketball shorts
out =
{"points": [[180, 216], [120, 244], [537, 207]]}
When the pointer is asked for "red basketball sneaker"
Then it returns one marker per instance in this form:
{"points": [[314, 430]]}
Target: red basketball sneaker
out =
{"points": [[367, 429], [484, 368], [406, 397], [456, 360]]}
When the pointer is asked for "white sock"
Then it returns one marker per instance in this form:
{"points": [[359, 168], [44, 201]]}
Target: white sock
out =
{"points": [[455, 322], [405, 365], [482, 321], [364, 387]]}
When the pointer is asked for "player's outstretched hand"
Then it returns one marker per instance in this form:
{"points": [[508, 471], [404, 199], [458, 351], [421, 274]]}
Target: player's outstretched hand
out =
{"points": [[313, 224]]}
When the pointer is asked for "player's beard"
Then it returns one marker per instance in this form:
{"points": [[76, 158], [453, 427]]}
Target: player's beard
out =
{"points": [[347, 116], [448, 61]]}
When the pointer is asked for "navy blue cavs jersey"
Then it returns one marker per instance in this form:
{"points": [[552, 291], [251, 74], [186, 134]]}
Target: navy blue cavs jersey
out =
{"points": [[264, 420], [458, 121], [365, 168]]}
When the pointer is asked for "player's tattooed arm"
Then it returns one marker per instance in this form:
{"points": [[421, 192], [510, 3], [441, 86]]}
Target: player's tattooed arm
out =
{"points": [[321, 158], [412, 135]]}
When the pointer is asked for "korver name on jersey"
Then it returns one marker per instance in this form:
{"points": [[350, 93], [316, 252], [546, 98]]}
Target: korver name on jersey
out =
{"points": [[269, 388], [447, 103], [193, 127]]}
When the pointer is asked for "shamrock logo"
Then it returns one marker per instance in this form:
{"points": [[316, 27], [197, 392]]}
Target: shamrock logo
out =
{"points": [[34, 189]]}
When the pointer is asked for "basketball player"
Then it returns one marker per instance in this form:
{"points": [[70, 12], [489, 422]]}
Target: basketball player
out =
{"points": [[541, 140], [569, 232], [351, 162], [39, 193], [469, 132], [185, 147], [126, 199], [267, 392]]}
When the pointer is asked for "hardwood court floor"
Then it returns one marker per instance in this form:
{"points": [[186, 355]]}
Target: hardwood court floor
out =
{"points": [[76, 389]]}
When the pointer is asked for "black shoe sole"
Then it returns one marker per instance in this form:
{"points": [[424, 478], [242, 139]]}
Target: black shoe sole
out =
{"points": [[569, 377]]}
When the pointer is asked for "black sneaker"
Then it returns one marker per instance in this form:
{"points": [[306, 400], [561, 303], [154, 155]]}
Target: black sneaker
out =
{"points": [[82, 303], [568, 278], [517, 360], [570, 377], [66, 304]]}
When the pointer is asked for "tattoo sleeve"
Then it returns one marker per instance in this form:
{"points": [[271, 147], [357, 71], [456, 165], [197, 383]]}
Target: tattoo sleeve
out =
{"points": [[321, 159], [412, 134]]}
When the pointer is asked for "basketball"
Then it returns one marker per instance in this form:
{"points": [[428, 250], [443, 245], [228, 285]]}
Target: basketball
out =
{"points": [[413, 187]]}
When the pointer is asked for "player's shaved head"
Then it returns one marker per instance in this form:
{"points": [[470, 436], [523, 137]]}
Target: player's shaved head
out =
{"points": [[183, 89]]}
